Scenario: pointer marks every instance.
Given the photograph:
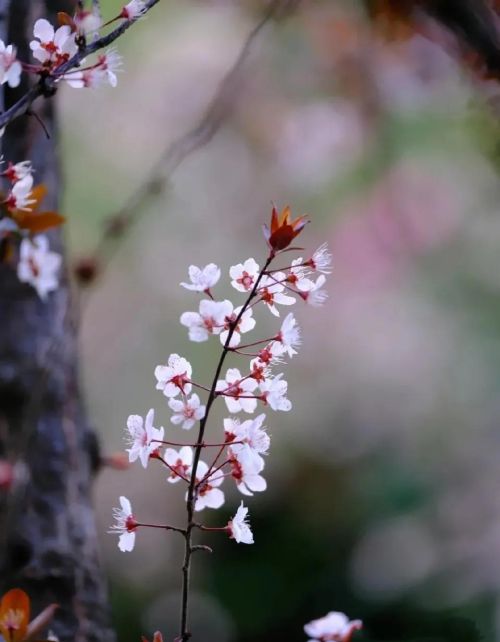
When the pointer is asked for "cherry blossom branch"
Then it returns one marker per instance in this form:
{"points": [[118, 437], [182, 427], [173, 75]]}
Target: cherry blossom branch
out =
{"points": [[47, 84], [190, 503]]}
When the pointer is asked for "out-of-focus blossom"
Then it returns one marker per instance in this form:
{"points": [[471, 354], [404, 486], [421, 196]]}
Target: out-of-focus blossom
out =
{"points": [[87, 22], [38, 266], [202, 279], [17, 171], [10, 67], [133, 10], [104, 71], [334, 627], [19, 197]]}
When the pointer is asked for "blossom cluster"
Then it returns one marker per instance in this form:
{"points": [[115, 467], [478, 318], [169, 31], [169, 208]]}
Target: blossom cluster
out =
{"points": [[53, 48], [20, 219], [239, 453]]}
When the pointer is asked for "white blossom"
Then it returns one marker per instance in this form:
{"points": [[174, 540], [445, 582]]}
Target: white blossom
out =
{"points": [[316, 296], [17, 171], [19, 196], [202, 279], [245, 324], [335, 627], [143, 437], [10, 67], [187, 411], [133, 9], [321, 260], [288, 337], [104, 72], [238, 527], [209, 495], [38, 266], [179, 462], [298, 275], [252, 438], [238, 391], [246, 470], [210, 319], [174, 377], [274, 393], [271, 292], [54, 47], [244, 275], [125, 525], [87, 22]]}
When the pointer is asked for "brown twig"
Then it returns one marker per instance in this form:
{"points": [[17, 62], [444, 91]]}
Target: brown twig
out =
{"points": [[194, 139]]}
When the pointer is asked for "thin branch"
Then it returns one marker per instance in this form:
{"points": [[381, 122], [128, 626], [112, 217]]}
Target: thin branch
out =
{"points": [[194, 139]]}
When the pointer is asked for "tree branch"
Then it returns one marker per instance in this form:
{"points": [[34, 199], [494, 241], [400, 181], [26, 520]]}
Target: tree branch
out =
{"points": [[47, 85]]}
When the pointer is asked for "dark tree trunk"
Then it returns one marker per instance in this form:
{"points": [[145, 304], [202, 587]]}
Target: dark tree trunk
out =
{"points": [[48, 542]]}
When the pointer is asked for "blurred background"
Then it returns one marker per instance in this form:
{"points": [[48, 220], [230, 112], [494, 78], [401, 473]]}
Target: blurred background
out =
{"points": [[384, 481]]}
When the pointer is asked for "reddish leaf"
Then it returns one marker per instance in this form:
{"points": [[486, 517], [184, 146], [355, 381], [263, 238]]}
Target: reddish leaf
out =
{"points": [[37, 222]]}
